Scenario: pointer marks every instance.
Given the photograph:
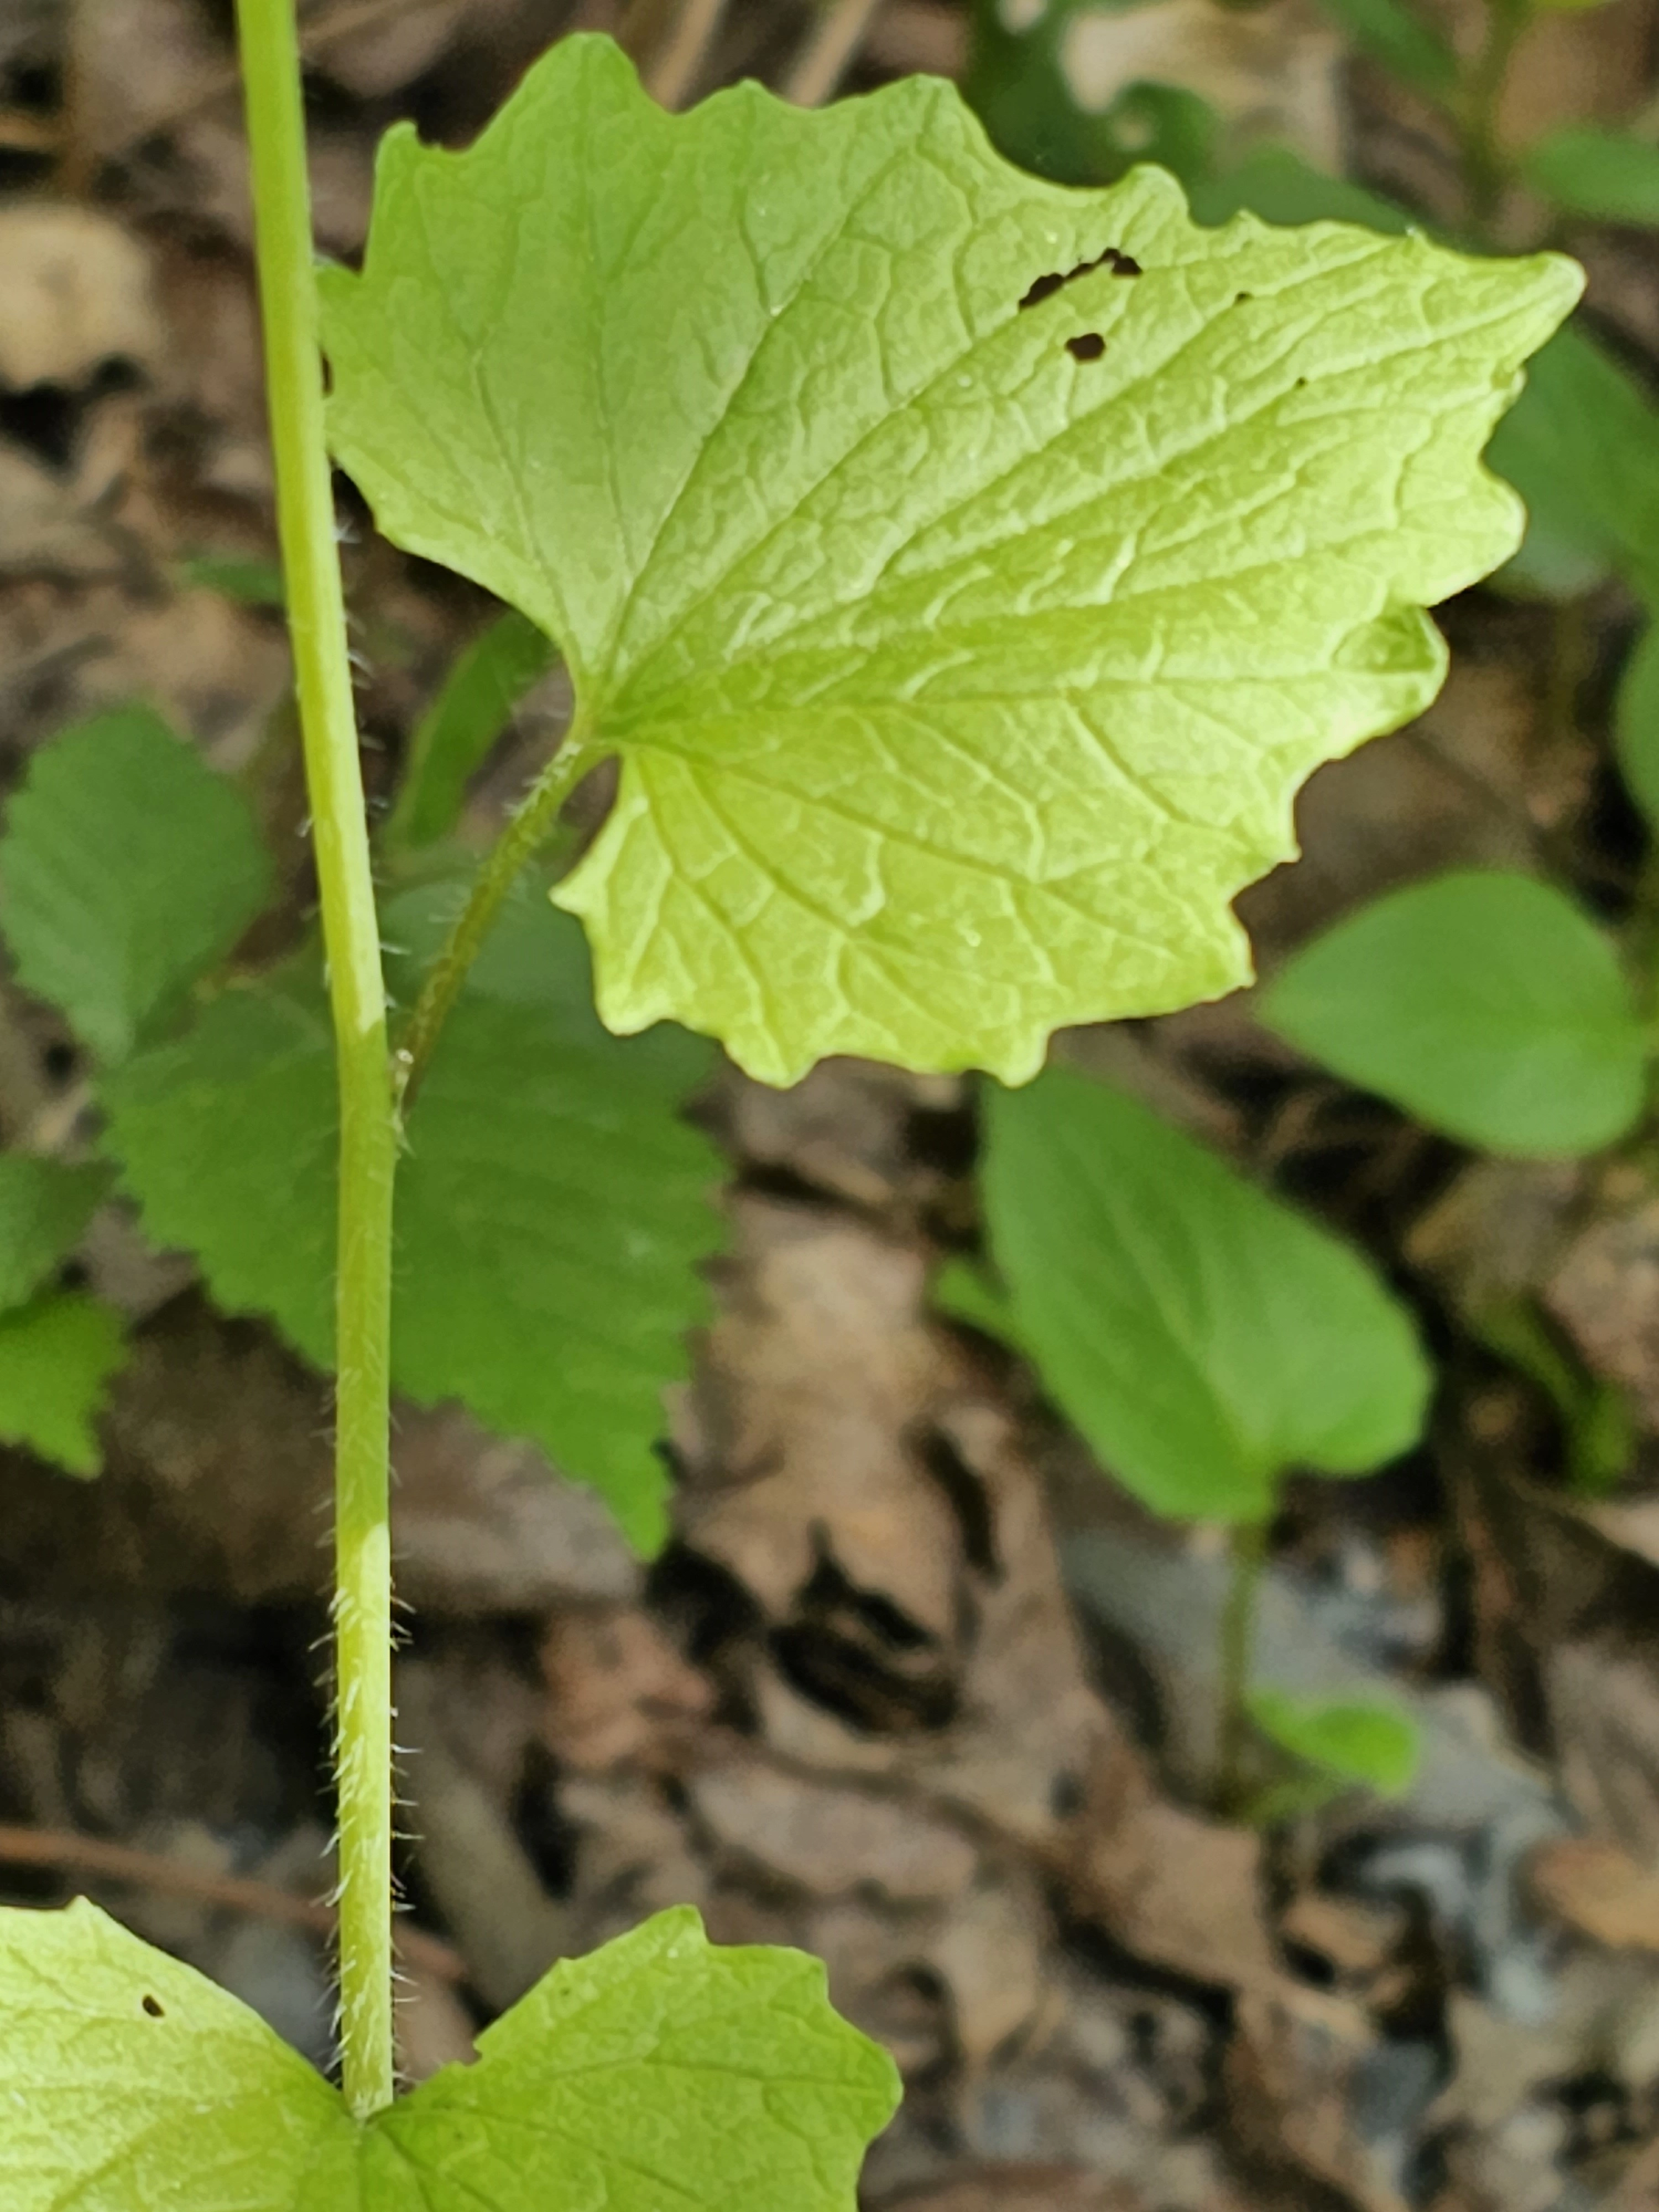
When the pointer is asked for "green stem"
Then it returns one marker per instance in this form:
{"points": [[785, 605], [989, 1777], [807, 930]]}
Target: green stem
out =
{"points": [[528, 831], [1485, 171], [305, 506], [1247, 1556]]}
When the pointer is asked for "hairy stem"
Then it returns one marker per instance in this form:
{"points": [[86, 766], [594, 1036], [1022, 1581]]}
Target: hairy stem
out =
{"points": [[529, 830], [368, 1157], [1247, 1554]]}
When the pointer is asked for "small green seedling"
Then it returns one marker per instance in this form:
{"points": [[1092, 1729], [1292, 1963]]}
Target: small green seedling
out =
{"points": [[1488, 1005], [965, 573], [1205, 1340], [1485, 1003], [1332, 1744]]}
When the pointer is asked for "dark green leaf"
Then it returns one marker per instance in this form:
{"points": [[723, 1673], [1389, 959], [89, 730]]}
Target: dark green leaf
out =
{"points": [[1276, 184], [128, 868], [44, 1207], [1581, 444], [1202, 1337], [1605, 175], [1636, 723], [1021, 82], [552, 1207], [57, 1357], [1484, 1002], [1394, 36], [238, 576]]}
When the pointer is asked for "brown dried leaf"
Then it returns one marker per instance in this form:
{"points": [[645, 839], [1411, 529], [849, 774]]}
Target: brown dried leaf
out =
{"points": [[830, 1838], [818, 1370], [1182, 1892], [1599, 1889], [618, 1689]]}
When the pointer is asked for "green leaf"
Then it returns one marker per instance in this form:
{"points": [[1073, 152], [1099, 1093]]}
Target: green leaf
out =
{"points": [[1582, 447], [127, 869], [1636, 723], [1202, 1337], [1395, 37], [1486, 1004], [1277, 184], [959, 680], [250, 582], [456, 733], [57, 1358], [45, 1205], [133, 2081], [658, 2069], [1022, 82], [1606, 175], [552, 1207], [1358, 1740]]}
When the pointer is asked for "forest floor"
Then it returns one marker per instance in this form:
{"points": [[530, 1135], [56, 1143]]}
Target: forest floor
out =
{"points": [[912, 1686]]}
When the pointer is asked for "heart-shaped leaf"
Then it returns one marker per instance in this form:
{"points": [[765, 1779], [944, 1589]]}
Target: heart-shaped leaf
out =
{"points": [[966, 570], [658, 2072]]}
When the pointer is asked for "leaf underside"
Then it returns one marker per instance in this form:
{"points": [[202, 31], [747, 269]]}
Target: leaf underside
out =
{"points": [[658, 2070], [1203, 1337], [963, 657]]}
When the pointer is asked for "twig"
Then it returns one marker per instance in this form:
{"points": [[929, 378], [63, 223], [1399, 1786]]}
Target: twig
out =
{"points": [[75, 162], [839, 34], [678, 66], [67, 1853]]}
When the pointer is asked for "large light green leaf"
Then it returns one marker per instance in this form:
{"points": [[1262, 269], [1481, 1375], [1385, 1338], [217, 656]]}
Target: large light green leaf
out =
{"points": [[1202, 1337], [58, 1355], [552, 1207], [127, 868], [45, 1205], [964, 658], [1485, 1003], [658, 2072]]}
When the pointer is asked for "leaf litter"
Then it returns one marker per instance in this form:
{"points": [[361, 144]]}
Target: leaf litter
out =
{"points": [[872, 1699]]}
